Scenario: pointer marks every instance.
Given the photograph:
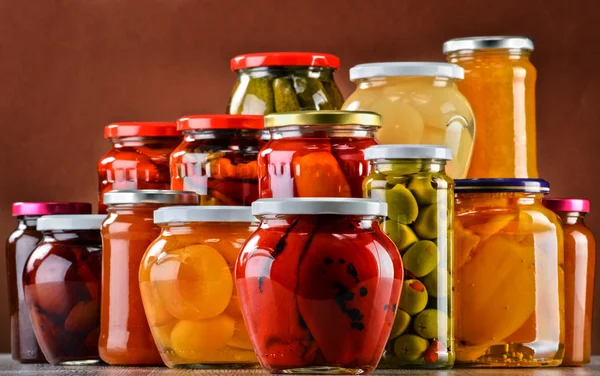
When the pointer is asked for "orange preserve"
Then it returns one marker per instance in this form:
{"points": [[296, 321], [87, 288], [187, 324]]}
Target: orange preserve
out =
{"points": [[580, 261], [127, 232], [499, 83]]}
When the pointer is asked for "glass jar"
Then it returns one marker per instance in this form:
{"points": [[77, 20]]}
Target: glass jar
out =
{"points": [[139, 158], [419, 104], [186, 280], [420, 197], [580, 268], [62, 288], [509, 275], [217, 158], [128, 230], [284, 82], [319, 284], [316, 154], [500, 85], [19, 245]]}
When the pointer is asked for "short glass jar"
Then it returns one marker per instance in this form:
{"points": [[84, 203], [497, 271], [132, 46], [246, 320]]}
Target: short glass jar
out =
{"points": [[187, 285], [217, 158], [316, 154], [509, 275], [127, 231], [284, 82], [62, 288], [319, 283]]}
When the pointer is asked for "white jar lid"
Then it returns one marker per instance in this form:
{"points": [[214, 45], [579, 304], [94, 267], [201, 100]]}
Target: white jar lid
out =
{"points": [[71, 222], [408, 152], [311, 206], [406, 69], [492, 42], [180, 214], [150, 196]]}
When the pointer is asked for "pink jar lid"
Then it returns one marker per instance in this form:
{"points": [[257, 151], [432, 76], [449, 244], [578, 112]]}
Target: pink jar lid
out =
{"points": [[567, 204], [47, 208]]}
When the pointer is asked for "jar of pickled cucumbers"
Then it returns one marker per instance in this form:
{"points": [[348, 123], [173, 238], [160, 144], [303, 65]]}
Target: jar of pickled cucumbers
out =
{"points": [[419, 194], [188, 291], [419, 104], [283, 82], [509, 275]]}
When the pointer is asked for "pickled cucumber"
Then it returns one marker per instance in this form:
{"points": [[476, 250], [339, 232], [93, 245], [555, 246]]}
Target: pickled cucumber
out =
{"points": [[285, 96], [333, 94], [311, 94], [258, 98]]}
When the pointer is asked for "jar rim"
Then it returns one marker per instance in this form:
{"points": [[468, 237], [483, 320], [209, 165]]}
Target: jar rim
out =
{"points": [[406, 69], [271, 59], [416, 151], [567, 204], [319, 205], [150, 196], [141, 129], [220, 121], [495, 185], [71, 222], [182, 214], [329, 117], [488, 42]]}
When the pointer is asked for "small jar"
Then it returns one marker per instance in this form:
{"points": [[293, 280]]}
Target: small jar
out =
{"points": [[127, 231], [138, 159], [319, 284], [284, 82], [20, 244], [217, 158], [316, 154], [62, 288], [580, 268], [420, 198], [186, 280], [509, 275]]}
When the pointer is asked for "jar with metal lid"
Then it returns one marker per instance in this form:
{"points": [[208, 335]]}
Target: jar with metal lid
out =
{"points": [[61, 281], [420, 198], [283, 82], [509, 275], [319, 284], [217, 158], [187, 286], [419, 103], [127, 231], [316, 154], [500, 85]]}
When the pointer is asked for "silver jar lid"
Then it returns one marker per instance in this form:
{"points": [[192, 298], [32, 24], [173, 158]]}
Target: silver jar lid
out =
{"points": [[406, 69], [408, 152], [150, 196], [482, 43], [311, 206], [71, 222], [181, 214]]}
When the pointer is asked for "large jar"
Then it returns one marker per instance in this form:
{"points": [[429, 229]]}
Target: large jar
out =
{"points": [[500, 85], [316, 154], [19, 245], [125, 337], [187, 285], [62, 288], [319, 284], [580, 268], [420, 197], [419, 104], [284, 82], [217, 158], [509, 275], [138, 159]]}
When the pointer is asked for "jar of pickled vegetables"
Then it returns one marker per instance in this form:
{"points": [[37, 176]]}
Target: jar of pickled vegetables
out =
{"points": [[419, 104], [580, 268], [284, 82], [509, 275], [187, 285], [500, 85], [128, 230], [61, 281], [217, 158], [316, 154], [138, 159], [420, 197], [319, 284]]}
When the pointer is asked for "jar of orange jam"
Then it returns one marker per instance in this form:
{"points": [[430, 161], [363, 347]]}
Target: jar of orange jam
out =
{"points": [[187, 286], [499, 83]]}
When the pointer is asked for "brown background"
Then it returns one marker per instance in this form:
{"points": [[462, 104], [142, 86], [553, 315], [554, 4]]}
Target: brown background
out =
{"points": [[68, 67]]}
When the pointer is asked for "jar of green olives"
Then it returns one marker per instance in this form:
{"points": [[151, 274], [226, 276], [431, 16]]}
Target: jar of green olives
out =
{"points": [[413, 182]]}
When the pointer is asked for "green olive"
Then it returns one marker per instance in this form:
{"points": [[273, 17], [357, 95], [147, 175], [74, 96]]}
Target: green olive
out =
{"points": [[410, 347], [413, 298], [402, 206], [285, 96], [431, 323], [420, 187], [402, 235], [426, 226], [421, 258], [400, 323], [438, 282]]}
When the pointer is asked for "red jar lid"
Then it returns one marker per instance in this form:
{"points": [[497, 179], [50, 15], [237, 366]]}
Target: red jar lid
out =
{"points": [[567, 204], [48, 208], [201, 122], [141, 129], [280, 59]]}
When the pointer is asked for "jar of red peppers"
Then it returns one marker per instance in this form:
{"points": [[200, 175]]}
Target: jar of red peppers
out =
{"points": [[316, 154], [19, 246], [61, 281], [319, 284], [138, 159], [217, 158]]}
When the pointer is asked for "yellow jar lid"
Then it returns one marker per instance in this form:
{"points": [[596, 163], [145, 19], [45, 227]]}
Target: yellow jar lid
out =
{"points": [[282, 119]]}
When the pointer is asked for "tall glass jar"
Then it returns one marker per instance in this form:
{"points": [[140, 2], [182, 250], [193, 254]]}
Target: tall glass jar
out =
{"points": [[500, 85], [419, 194], [283, 82], [509, 275], [419, 104]]}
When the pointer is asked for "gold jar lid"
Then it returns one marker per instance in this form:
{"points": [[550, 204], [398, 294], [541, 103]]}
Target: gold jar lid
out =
{"points": [[282, 119]]}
